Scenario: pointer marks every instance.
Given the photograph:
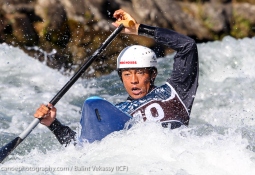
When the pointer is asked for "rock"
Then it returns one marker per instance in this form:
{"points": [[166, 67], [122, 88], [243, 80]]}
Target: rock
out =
{"points": [[76, 28], [55, 25], [217, 17], [22, 29]]}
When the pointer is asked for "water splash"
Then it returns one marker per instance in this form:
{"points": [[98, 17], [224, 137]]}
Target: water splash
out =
{"points": [[220, 138]]}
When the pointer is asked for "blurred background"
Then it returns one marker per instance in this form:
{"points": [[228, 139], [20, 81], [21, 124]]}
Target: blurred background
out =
{"points": [[64, 33]]}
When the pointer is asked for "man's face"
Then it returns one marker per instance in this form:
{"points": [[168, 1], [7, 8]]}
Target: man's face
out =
{"points": [[136, 81]]}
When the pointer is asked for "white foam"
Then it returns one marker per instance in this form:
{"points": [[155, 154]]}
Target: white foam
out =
{"points": [[219, 140]]}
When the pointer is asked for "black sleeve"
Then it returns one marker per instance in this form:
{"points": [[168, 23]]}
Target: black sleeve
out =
{"points": [[184, 77], [63, 133]]}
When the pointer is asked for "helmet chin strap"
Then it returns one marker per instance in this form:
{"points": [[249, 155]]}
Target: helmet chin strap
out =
{"points": [[119, 73]]}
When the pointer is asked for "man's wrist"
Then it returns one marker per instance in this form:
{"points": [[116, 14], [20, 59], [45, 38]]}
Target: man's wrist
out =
{"points": [[54, 125], [147, 31]]}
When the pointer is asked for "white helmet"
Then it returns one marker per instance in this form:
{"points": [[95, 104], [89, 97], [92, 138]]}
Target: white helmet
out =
{"points": [[136, 56]]}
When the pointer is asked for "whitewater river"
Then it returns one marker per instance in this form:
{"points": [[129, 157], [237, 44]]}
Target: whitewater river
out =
{"points": [[219, 140]]}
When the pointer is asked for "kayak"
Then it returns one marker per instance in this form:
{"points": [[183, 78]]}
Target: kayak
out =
{"points": [[100, 118]]}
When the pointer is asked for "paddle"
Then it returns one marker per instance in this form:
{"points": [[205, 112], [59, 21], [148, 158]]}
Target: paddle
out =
{"points": [[8, 148]]}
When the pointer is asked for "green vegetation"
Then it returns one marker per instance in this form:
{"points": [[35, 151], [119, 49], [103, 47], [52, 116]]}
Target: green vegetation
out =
{"points": [[241, 27]]}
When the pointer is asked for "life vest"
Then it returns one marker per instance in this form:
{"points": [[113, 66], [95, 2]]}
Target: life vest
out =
{"points": [[161, 104]]}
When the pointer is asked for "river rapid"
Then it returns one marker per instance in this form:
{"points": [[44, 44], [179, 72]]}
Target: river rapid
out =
{"points": [[219, 140]]}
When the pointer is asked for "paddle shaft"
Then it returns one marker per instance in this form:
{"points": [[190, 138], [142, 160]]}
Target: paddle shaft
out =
{"points": [[8, 148]]}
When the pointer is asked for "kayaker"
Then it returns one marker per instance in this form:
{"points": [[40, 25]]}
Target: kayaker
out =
{"points": [[137, 68]]}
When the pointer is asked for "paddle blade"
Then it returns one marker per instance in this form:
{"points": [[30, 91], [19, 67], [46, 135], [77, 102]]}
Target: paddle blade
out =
{"points": [[9, 147]]}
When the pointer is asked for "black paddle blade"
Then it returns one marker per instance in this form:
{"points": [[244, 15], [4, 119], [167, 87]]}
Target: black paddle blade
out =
{"points": [[7, 149]]}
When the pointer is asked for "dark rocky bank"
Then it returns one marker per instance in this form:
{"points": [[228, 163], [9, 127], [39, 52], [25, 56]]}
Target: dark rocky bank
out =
{"points": [[74, 29]]}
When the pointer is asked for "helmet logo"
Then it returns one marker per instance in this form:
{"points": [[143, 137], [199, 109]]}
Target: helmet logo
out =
{"points": [[128, 62]]}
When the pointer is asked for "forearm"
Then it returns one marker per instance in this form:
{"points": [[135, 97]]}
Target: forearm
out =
{"points": [[63, 133], [184, 77], [168, 37]]}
